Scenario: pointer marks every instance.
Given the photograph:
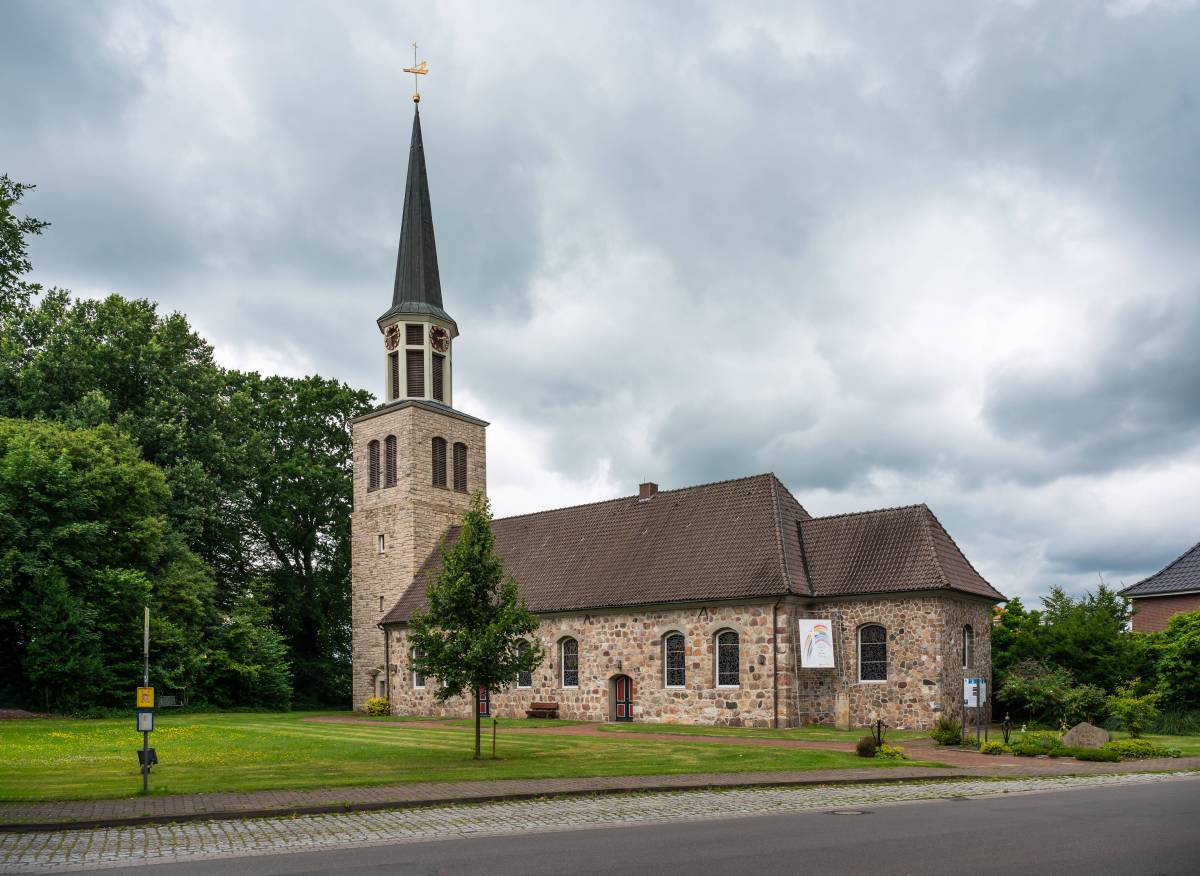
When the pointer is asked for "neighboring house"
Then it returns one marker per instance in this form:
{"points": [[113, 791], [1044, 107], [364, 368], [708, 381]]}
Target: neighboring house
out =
{"points": [[1168, 592], [678, 606]]}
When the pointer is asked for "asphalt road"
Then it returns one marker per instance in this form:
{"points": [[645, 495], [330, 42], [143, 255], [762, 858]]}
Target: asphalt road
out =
{"points": [[1128, 830]]}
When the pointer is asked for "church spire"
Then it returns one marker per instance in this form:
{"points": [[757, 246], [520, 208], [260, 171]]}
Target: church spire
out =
{"points": [[418, 287]]}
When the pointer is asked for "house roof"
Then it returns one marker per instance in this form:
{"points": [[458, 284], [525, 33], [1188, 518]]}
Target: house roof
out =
{"points": [[736, 539], [1181, 576]]}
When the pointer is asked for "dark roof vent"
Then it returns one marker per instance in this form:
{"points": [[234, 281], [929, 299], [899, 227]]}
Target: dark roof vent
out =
{"points": [[647, 491]]}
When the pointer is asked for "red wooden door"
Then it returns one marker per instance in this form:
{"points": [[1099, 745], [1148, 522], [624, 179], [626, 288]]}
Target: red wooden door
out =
{"points": [[623, 698]]}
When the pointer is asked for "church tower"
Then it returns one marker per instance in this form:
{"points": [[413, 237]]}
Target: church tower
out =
{"points": [[416, 459]]}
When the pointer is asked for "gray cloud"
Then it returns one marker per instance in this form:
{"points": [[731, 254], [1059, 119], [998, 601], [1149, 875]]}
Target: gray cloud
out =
{"points": [[895, 253]]}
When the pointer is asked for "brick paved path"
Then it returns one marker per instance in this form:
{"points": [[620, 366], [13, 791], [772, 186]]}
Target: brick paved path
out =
{"points": [[54, 851]]}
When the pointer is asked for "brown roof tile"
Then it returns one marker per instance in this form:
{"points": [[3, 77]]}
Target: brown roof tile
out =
{"points": [[733, 539]]}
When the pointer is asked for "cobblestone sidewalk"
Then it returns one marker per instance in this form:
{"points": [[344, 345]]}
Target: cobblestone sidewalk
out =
{"points": [[60, 851]]}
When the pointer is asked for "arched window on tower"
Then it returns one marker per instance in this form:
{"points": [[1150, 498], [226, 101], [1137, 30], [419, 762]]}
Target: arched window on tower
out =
{"points": [[439, 461], [373, 466], [968, 645], [674, 674], [460, 466], [389, 461], [872, 653]]}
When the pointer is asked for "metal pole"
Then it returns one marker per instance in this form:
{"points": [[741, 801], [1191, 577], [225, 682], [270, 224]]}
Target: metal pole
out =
{"points": [[146, 683]]}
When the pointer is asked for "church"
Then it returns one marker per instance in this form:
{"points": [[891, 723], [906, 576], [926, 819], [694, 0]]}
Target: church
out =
{"points": [[724, 603]]}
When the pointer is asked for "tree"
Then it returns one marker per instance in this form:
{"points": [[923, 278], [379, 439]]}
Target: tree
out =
{"points": [[1178, 661], [469, 638], [14, 251]]}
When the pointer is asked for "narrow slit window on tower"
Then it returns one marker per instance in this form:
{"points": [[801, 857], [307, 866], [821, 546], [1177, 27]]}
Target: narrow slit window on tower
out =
{"points": [[439, 462], [373, 465], [439, 385], [382, 544], [460, 466], [389, 461], [414, 334], [416, 373], [394, 375]]}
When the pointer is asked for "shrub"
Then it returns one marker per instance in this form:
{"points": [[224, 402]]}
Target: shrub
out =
{"points": [[1178, 722], [994, 746], [890, 752], [1096, 754], [1136, 713], [1084, 702], [1037, 690], [1036, 743], [866, 747], [947, 732], [1178, 663], [1137, 749], [378, 706]]}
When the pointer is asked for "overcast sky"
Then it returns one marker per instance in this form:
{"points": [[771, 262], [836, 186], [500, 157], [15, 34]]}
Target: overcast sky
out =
{"points": [[893, 252]]}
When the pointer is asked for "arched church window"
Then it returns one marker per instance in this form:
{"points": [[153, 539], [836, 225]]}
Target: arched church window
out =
{"points": [[968, 645], [568, 655], [389, 461], [728, 662], [439, 461], [373, 465], [460, 466], [524, 679], [674, 672], [418, 678], [872, 653]]}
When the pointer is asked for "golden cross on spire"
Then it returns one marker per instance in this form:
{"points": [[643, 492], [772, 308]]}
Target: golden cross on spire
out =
{"points": [[417, 70]]}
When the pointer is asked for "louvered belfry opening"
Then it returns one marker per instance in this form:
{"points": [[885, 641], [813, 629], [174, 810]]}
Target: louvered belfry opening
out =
{"points": [[460, 467], [414, 334], [439, 462], [416, 373], [439, 365], [373, 466], [389, 461], [394, 372]]}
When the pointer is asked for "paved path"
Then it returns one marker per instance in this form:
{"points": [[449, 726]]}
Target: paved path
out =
{"points": [[236, 839]]}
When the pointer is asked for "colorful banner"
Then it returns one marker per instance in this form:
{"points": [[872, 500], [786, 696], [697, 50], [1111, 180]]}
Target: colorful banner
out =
{"points": [[816, 643]]}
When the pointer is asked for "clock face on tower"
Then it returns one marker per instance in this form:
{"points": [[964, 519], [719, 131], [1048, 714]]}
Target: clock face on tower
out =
{"points": [[439, 338], [391, 337]]}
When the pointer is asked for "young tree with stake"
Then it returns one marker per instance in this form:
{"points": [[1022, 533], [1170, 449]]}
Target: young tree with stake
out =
{"points": [[468, 638]]}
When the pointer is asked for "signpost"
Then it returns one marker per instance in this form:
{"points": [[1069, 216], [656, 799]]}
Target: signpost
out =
{"points": [[145, 705], [974, 697]]}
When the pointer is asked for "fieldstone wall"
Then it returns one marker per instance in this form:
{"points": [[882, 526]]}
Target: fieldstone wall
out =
{"points": [[925, 667], [412, 516], [630, 643]]}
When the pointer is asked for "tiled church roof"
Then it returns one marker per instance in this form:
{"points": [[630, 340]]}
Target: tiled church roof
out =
{"points": [[736, 539], [1181, 576]]}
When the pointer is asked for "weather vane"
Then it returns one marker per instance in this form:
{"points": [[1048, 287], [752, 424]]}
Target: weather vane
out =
{"points": [[417, 70]]}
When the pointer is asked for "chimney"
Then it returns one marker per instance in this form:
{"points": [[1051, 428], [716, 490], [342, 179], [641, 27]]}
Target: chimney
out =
{"points": [[647, 491]]}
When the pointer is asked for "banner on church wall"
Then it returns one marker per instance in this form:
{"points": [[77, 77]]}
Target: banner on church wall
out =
{"points": [[816, 643]]}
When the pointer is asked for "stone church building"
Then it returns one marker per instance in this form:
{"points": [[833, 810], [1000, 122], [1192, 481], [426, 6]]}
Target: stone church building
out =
{"points": [[681, 606]]}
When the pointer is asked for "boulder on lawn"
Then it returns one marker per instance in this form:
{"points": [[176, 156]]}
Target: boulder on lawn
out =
{"points": [[1085, 735]]}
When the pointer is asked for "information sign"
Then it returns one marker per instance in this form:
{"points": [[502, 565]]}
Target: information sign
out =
{"points": [[974, 692], [145, 698], [145, 722]]}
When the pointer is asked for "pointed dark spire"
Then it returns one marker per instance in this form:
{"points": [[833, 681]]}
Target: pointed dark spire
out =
{"points": [[418, 288]]}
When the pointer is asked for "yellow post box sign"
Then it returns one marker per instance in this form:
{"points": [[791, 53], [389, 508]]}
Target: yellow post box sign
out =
{"points": [[145, 698]]}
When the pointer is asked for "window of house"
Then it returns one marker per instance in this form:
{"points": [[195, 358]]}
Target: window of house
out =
{"points": [[728, 668], [569, 660], [382, 683], [460, 466], [872, 653], [439, 462], [673, 660], [389, 461], [968, 645], [524, 679], [417, 678], [373, 465]]}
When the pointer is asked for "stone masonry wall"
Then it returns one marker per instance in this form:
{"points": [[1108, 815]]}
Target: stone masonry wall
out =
{"points": [[412, 516], [630, 643]]}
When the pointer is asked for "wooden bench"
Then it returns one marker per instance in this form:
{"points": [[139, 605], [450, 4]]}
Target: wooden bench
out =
{"points": [[542, 710]]}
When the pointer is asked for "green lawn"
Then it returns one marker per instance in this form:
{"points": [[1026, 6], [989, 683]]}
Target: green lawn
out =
{"points": [[1189, 745], [814, 733], [43, 759]]}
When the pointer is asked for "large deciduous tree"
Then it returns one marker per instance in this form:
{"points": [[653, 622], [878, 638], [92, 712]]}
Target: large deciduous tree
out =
{"points": [[470, 635]]}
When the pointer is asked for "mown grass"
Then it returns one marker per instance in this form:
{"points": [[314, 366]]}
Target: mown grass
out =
{"points": [[815, 733], [1189, 745], [63, 759]]}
